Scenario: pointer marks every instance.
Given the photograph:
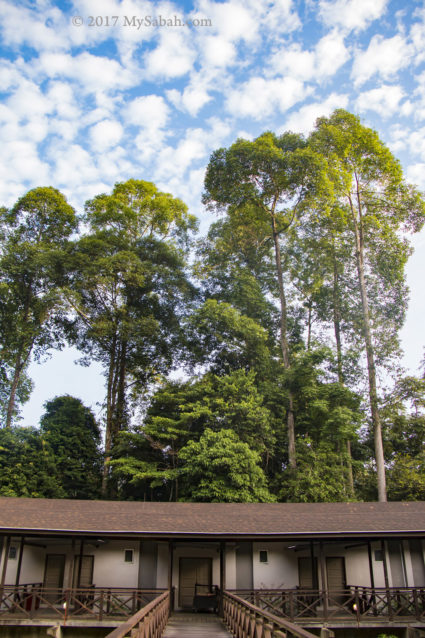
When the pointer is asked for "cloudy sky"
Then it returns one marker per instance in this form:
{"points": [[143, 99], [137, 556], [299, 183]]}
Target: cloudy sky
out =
{"points": [[99, 91]]}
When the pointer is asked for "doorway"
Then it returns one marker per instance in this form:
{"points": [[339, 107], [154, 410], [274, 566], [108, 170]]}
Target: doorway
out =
{"points": [[86, 573], [193, 571], [53, 575]]}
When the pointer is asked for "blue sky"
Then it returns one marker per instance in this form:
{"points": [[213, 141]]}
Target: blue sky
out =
{"points": [[85, 106]]}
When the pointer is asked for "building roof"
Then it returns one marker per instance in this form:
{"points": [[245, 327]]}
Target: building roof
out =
{"points": [[212, 520]]}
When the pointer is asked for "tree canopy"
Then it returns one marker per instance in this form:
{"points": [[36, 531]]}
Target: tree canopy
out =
{"points": [[259, 363]]}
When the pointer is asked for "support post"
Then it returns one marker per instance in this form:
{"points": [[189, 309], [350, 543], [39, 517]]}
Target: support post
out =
{"points": [[323, 577], [314, 583], [222, 575], [80, 563], [5, 560], [19, 566], [387, 584], [369, 553], [170, 573], [71, 565]]}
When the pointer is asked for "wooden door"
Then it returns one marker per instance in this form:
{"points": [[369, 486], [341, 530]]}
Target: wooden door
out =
{"points": [[53, 574], [86, 576], [307, 575], [193, 571], [335, 571]]}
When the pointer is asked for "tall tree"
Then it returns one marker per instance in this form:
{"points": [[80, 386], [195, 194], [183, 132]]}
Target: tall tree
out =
{"points": [[221, 468], [71, 432], [128, 291], [37, 230], [261, 185], [375, 204]]}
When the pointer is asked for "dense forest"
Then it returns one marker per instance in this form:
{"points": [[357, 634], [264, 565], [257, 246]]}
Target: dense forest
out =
{"points": [[258, 363]]}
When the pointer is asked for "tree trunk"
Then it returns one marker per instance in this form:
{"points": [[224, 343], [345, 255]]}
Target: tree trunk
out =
{"points": [[109, 416], [371, 368], [13, 389], [284, 345], [19, 362], [337, 330]]}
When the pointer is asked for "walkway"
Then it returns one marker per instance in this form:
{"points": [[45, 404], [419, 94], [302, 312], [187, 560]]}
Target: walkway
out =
{"points": [[182, 625]]}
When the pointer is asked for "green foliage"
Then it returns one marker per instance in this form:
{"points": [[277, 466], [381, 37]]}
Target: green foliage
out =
{"points": [[406, 478], [33, 252], [224, 339], [73, 436], [221, 468], [129, 292], [320, 475], [27, 465]]}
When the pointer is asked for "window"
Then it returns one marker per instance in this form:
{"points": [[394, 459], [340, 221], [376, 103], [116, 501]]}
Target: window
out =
{"points": [[379, 555], [264, 558], [128, 556], [12, 553]]}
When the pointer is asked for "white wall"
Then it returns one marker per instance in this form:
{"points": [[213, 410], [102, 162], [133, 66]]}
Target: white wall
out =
{"points": [[162, 566], [281, 570], [110, 570]]}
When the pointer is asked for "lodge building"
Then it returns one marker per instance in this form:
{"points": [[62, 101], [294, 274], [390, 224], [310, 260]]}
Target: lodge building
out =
{"points": [[317, 565]]}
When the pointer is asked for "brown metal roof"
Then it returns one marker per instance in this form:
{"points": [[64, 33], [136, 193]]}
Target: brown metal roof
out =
{"points": [[209, 519]]}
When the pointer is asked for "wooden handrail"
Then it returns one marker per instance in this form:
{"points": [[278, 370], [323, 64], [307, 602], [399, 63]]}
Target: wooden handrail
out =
{"points": [[245, 619], [148, 622], [353, 602]]}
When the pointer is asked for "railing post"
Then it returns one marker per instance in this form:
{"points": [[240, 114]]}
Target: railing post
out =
{"points": [[101, 601], [291, 605], [416, 604], [357, 603]]}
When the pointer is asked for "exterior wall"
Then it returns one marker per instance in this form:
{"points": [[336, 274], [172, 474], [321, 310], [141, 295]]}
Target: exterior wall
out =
{"points": [[162, 566], [281, 570], [33, 561], [110, 570], [231, 567]]}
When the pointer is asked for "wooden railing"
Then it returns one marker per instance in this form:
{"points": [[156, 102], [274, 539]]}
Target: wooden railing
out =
{"points": [[149, 622], [357, 603], [245, 619], [34, 600]]}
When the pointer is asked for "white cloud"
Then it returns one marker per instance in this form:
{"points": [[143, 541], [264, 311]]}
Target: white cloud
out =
{"points": [[21, 164], [281, 16], [259, 98], [173, 57], [384, 56], [417, 142], [318, 64], [295, 61], [384, 100], [303, 120], [25, 26], [70, 164], [150, 111], [233, 20], [194, 96], [417, 35], [331, 54], [217, 51], [351, 14], [105, 135], [93, 73], [150, 114], [197, 144], [415, 174]]}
